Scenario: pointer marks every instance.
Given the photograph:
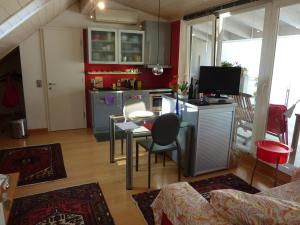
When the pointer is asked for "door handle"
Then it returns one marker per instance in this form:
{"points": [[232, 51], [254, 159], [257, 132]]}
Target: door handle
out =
{"points": [[51, 84]]}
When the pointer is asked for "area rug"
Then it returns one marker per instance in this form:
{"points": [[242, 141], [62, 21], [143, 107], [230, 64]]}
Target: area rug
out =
{"points": [[80, 205], [34, 163], [229, 181]]}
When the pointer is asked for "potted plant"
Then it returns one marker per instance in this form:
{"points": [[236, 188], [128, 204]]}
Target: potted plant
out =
{"points": [[183, 89]]}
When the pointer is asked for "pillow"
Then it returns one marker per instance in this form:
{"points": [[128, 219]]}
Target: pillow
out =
{"points": [[247, 209]]}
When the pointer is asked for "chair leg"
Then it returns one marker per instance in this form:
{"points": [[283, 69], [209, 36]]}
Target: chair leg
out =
{"points": [[136, 157], [122, 144], [254, 170], [149, 168], [164, 159], [178, 160]]}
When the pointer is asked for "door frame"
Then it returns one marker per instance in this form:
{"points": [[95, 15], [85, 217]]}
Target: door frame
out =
{"points": [[185, 45], [45, 77]]}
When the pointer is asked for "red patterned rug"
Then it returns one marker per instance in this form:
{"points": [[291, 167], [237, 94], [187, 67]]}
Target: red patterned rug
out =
{"points": [[35, 163], [229, 181], [80, 205]]}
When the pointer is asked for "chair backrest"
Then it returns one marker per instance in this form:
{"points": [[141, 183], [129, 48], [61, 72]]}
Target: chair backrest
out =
{"points": [[165, 129], [277, 121], [133, 105], [244, 110]]}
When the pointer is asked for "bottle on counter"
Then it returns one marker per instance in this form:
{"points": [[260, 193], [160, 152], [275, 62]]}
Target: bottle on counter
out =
{"points": [[196, 89], [118, 84], [191, 90]]}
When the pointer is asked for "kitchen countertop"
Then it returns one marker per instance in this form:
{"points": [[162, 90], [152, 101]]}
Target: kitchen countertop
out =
{"points": [[132, 90], [189, 103]]}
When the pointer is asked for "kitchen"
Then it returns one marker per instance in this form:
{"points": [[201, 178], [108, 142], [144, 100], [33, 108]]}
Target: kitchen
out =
{"points": [[132, 77]]}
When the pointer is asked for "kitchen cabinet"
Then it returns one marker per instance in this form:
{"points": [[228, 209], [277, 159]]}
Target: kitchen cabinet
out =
{"points": [[137, 95], [101, 109], [150, 28], [211, 138], [131, 47], [102, 46], [107, 46]]}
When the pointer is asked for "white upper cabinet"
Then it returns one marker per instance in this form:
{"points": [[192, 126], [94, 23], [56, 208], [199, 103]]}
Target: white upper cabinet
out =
{"points": [[131, 47], [106, 46], [102, 46]]}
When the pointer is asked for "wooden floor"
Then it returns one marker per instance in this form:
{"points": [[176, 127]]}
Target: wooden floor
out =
{"points": [[88, 161]]}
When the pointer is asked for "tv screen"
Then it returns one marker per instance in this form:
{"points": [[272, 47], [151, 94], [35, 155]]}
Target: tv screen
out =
{"points": [[219, 80]]}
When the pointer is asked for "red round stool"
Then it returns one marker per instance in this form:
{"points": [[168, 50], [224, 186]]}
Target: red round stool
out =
{"points": [[271, 152]]}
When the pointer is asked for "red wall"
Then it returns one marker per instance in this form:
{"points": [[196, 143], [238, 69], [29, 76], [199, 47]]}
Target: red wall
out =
{"points": [[148, 79]]}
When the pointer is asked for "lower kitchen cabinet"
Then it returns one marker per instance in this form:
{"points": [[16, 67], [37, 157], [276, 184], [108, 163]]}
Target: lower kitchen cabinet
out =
{"points": [[104, 104]]}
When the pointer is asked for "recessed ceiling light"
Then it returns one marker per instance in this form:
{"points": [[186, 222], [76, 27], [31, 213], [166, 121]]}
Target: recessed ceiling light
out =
{"points": [[91, 16], [101, 5]]}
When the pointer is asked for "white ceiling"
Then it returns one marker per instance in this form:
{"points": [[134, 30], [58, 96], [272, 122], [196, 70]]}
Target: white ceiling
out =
{"points": [[172, 9], [245, 25], [45, 14]]}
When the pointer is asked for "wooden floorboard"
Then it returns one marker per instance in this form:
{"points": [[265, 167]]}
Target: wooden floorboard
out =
{"points": [[87, 161]]}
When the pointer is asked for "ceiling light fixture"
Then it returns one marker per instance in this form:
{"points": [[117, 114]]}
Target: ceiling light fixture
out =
{"points": [[101, 5], [158, 69]]}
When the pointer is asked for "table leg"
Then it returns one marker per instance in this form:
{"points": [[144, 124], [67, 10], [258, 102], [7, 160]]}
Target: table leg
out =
{"points": [[256, 161], [276, 172], [112, 139], [129, 159], [295, 139]]}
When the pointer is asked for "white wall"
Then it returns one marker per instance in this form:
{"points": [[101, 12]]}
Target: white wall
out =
{"points": [[32, 70], [31, 58]]}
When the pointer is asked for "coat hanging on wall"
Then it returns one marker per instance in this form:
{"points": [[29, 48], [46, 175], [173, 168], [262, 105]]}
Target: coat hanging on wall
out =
{"points": [[10, 96]]}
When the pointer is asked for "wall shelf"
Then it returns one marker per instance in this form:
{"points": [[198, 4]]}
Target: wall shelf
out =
{"points": [[113, 72]]}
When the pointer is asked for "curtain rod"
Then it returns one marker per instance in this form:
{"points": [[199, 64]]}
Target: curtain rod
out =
{"points": [[215, 9]]}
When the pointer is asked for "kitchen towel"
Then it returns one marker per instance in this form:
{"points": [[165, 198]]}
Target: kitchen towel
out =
{"points": [[109, 99]]}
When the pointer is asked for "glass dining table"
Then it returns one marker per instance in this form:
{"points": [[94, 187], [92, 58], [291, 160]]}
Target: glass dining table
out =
{"points": [[132, 128]]}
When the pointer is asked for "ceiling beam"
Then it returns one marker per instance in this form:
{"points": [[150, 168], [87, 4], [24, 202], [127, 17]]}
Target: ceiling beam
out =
{"points": [[237, 28], [250, 21], [86, 6], [290, 17]]}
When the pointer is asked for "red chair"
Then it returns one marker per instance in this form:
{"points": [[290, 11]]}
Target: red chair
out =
{"points": [[277, 122], [271, 152]]}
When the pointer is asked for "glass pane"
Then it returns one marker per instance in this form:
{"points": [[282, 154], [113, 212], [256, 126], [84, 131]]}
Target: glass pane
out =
{"points": [[285, 83], [131, 47], [241, 40], [201, 47], [103, 46]]}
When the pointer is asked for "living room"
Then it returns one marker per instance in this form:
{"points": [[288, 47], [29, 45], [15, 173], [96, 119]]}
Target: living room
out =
{"points": [[75, 151]]}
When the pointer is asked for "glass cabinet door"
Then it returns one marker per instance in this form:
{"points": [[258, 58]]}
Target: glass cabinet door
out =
{"points": [[131, 47], [102, 46]]}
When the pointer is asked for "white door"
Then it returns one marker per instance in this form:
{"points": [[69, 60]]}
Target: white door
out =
{"points": [[65, 78]]}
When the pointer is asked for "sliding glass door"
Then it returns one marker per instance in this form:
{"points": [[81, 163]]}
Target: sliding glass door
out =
{"points": [[202, 47], [285, 89], [239, 44]]}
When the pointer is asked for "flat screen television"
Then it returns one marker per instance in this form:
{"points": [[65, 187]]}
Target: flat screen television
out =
{"points": [[219, 80]]}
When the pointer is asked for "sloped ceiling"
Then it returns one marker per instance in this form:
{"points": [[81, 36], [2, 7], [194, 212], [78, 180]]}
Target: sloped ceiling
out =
{"points": [[172, 9], [44, 15]]}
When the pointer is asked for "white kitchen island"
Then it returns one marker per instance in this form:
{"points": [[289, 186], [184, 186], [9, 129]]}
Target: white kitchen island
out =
{"points": [[212, 134]]}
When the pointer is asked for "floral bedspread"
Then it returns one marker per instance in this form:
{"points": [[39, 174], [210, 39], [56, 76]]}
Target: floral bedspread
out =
{"points": [[183, 205]]}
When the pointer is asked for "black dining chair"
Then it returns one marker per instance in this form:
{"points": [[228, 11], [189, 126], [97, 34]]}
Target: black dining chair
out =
{"points": [[164, 134]]}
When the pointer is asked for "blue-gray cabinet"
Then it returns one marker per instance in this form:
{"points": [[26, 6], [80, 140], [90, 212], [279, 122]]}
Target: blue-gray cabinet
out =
{"points": [[103, 105]]}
